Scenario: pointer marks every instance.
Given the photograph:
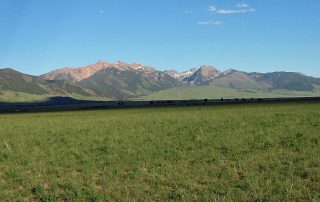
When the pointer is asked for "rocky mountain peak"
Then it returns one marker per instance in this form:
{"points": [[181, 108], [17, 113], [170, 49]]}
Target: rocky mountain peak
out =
{"points": [[121, 64], [209, 71], [204, 75], [80, 73], [181, 75], [207, 67], [102, 63]]}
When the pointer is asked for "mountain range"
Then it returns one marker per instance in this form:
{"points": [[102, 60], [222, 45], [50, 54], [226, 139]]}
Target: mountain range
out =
{"points": [[120, 80]]}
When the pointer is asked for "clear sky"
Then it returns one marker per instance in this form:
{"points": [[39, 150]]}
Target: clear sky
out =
{"points": [[37, 36]]}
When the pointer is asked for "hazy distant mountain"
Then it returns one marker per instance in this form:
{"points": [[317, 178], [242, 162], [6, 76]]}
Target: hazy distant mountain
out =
{"points": [[287, 80], [121, 80], [239, 80]]}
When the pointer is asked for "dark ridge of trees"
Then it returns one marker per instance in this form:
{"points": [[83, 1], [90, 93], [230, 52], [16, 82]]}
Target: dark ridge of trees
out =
{"points": [[67, 103]]}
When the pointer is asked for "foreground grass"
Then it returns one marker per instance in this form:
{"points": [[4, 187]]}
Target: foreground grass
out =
{"points": [[244, 152]]}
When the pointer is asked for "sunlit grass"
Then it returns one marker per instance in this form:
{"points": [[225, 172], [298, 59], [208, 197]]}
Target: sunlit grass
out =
{"points": [[216, 92], [243, 152]]}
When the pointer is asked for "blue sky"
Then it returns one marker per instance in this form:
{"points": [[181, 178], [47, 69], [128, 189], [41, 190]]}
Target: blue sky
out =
{"points": [[37, 36]]}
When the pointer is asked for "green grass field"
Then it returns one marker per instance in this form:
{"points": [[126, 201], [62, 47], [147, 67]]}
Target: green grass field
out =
{"points": [[216, 92], [252, 152], [11, 96]]}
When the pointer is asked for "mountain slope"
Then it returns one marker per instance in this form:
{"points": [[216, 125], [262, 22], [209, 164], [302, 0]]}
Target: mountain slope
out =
{"points": [[118, 80], [287, 80], [77, 74], [127, 83], [239, 80], [14, 81]]}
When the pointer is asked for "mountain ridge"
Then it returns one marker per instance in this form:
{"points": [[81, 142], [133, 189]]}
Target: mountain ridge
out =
{"points": [[14, 81], [79, 73], [121, 80]]}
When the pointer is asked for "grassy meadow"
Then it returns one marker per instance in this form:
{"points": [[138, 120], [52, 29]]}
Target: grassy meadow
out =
{"points": [[11, 97], [218, 153], [216, 92]]}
